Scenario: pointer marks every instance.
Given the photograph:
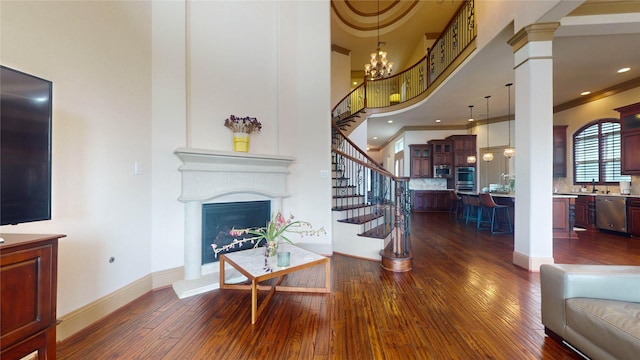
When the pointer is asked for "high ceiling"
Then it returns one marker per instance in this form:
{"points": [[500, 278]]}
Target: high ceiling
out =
{"points": [[586, 57], [403, 26]]}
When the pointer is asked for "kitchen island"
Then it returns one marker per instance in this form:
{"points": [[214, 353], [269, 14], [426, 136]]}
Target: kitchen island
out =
{"points": [[563, 211]]}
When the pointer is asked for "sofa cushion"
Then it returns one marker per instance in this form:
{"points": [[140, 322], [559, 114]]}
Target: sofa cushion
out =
{"points": [[609, 324]]}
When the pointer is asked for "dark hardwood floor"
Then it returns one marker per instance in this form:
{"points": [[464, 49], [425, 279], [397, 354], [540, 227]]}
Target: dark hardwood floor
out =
{"points": [[464, 299]]}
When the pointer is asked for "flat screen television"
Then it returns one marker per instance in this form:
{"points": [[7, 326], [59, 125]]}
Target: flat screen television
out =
{"points": [[25, 147]]}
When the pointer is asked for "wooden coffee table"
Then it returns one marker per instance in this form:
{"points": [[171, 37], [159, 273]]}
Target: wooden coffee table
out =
{"points": [[254, 265]]}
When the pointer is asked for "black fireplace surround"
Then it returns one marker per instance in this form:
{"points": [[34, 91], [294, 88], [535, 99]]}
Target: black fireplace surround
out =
{"points": [[219, 218]]}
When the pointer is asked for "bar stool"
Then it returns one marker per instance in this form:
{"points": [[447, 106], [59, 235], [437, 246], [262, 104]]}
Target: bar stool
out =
{"points": [[487, 203], [472, 208], [455, 204]]}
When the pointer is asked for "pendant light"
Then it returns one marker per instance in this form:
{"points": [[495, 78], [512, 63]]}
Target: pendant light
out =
{"points": [[471, 159], [509, 151], [488, 156]]}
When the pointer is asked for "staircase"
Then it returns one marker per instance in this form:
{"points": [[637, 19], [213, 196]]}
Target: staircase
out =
{"points": [[370, 207]]}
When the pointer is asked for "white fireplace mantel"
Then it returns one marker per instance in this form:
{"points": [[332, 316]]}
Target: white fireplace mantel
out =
{"points": [[208, 175]]}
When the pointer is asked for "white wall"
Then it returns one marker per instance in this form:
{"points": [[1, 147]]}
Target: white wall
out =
{"points": [[304, 77], [168, 132], [359, 135], [98, 55], [274, 66]]}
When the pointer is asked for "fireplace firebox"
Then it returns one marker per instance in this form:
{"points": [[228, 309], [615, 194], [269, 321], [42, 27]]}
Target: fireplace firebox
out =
{"points": [[219, 218]]}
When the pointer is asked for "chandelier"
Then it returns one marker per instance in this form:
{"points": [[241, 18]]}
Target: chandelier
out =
{"points": [[378, 66]]}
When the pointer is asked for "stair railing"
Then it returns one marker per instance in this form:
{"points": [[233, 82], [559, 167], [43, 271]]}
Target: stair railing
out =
{"points": [[417, 79], [384, 199]]}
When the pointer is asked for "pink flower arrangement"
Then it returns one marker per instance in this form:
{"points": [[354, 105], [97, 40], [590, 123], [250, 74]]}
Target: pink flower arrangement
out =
{"points": [[275, 229]]}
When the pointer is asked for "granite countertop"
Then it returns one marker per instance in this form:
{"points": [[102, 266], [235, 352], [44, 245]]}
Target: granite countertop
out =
{"points": [[513, 195], [555, 195], [600, 194]]}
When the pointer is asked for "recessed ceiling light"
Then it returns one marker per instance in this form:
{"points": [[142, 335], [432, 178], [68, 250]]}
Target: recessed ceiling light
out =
{"points": [[438, 120], [375, 138], [355, 83], [585, 93], [390, 121], [623, 70]]}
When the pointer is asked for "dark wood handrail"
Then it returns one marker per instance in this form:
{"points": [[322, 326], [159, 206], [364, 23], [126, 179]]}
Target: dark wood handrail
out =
{"points": [[384, 172], [378, 168]]}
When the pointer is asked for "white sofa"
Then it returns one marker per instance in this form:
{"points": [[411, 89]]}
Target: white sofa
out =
{"points": [[594, 309]]}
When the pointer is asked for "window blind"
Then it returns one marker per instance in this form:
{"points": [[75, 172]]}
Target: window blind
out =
{"points": [[596, 151]]}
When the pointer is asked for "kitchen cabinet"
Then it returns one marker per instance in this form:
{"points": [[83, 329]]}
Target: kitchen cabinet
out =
{"points": [[585, 212], [442, 152], [560, 151], [463, 147], [630, 139], [633, 216], [421, 166], [563, 217], [28, 290], [430, 200]]}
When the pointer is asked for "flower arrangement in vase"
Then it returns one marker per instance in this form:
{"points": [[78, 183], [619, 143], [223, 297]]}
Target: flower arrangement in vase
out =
{"points": [[247, 125], [271, 234], [242, 127]]}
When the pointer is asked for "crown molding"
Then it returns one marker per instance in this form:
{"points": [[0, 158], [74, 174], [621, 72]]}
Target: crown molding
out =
{"points": [[340, 49], [613, 90]]}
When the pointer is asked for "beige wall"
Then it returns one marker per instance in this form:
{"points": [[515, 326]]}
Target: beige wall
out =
{"points": [[98, 55], [577, 117], [340, 76], [133, 81]]}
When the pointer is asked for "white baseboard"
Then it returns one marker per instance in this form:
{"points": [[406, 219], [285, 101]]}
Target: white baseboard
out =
{"points": [[530, 263], [167, 277], [96, 310]]}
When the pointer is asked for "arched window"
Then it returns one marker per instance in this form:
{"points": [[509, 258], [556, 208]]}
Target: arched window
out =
{"points": [[596, 153]]}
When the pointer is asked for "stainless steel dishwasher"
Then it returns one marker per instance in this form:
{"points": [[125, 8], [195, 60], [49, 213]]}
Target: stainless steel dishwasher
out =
{"points": [[611, 213]]}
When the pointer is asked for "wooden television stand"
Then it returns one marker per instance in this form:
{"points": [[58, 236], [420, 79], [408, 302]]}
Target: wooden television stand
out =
{"points": [[28, 290]]}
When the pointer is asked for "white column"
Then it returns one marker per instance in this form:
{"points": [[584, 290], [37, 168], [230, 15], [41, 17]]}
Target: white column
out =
{"points": [[192, 240], [533, 236]]}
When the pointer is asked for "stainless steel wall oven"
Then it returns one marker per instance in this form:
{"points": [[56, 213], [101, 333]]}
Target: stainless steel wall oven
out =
{"points": [[465, 178]]}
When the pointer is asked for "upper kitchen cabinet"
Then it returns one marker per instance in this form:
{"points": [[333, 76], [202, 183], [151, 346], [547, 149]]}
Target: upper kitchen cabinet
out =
{"points": [[630, 139], [560, 151], [442, 152], [421, 166], [463, 147]]}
